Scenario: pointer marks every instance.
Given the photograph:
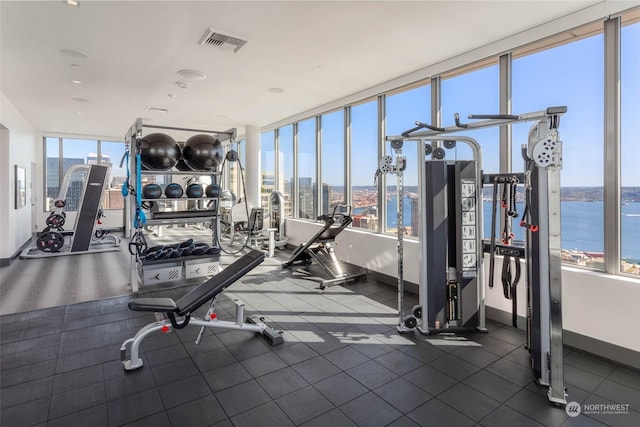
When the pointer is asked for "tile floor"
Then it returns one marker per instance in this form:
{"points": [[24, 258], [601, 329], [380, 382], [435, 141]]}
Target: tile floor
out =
{"points": [[342, 364]]}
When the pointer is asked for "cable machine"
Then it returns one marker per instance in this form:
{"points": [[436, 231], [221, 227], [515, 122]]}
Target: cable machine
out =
{"points": [[452, 291]]}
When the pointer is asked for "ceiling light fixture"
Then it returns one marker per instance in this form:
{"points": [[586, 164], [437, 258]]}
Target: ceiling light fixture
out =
{"points": [[71, 2], [73, 53], [183, 85], [192, 75], [157, 110], [77, 82]]}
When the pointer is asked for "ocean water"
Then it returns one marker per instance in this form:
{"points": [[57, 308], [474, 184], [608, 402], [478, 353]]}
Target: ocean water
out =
{"points": [[582, 225]]}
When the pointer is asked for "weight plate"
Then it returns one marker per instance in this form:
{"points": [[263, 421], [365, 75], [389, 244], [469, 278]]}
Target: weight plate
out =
{"points": [[55, 221], [50, 241], [410, 322], [417, 311]]}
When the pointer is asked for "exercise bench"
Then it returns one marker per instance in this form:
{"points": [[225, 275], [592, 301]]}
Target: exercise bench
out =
{"points": [[321, 248], [178, 314]]}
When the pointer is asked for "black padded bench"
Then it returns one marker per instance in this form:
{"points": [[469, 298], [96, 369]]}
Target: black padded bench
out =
{"points": [[189, 303]]}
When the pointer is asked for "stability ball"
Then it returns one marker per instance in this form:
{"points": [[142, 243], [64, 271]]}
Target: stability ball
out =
{"points": [[159, 151], [194, 190], [173, 191], [212, 190], [203, 152], [151, 191]]}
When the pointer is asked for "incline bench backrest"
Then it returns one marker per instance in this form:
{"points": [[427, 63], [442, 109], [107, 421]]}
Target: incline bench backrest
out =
{"points": [[212, 287], [329, 234]]}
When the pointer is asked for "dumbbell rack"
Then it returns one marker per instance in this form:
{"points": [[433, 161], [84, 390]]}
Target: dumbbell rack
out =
{"points": [[170, 269]]}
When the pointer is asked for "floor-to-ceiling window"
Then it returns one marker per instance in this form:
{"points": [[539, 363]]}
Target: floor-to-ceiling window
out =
{"points": [[60, 154], [267, 167], [630, 142], [403, 109], [112, 153], [333, 149], [364, 163], [571, 74], [285, 167], [474, 90], [307, 169]]}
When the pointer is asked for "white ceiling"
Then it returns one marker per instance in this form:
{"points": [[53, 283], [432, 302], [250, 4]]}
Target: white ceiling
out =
{"points": [[317, 51]]}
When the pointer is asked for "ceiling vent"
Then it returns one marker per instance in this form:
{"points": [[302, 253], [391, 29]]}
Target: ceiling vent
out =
{"points": [[224, 41]]}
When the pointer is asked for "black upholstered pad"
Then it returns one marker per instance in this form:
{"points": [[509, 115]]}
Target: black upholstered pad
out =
{"points": [[218, 283], [159, 305]]}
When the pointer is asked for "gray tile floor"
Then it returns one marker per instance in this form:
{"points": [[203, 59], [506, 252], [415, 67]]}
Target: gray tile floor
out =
{"points": [[342, 364]]}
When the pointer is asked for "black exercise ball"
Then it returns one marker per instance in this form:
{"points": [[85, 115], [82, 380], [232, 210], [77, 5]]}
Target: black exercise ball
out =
{"points": [[212, 190], [194, 190], [203, 152], [159, 151], [173, 191], [151, 191]]}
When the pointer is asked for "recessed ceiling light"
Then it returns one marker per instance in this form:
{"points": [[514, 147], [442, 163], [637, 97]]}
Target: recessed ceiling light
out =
{"points": [[79, 113], [80, 99], [192, 75], [183, 85], [71, 2], [157, 110], [77, 82], [171, 95], [73, 53], [275, 90]]}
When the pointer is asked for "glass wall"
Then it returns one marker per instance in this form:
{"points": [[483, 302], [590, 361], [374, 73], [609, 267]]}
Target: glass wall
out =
{"points": [[403, 109], [571, 74], [364, 163], [267, 167], [307, 195], [475, 91], [332, 160], [62, 153], [630, 143], [566, 69], [285, 167]]}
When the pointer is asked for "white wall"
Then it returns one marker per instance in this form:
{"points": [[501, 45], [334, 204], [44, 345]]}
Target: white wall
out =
{"points": [[20, 149], [596, 305]]}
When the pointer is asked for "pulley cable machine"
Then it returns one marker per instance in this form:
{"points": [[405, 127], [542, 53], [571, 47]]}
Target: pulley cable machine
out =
{"points": [[451, 276], [386, 166]]}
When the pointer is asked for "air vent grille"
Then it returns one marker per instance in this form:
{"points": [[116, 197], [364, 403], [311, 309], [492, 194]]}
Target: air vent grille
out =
{"points": [[224, 41]]}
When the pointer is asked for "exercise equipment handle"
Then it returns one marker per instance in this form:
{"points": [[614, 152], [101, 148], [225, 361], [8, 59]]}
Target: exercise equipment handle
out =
{"points": [[493, 116], [420, 125]]}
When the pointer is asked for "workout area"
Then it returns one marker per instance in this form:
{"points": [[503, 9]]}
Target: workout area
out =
{"points": [[367, 213]]}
